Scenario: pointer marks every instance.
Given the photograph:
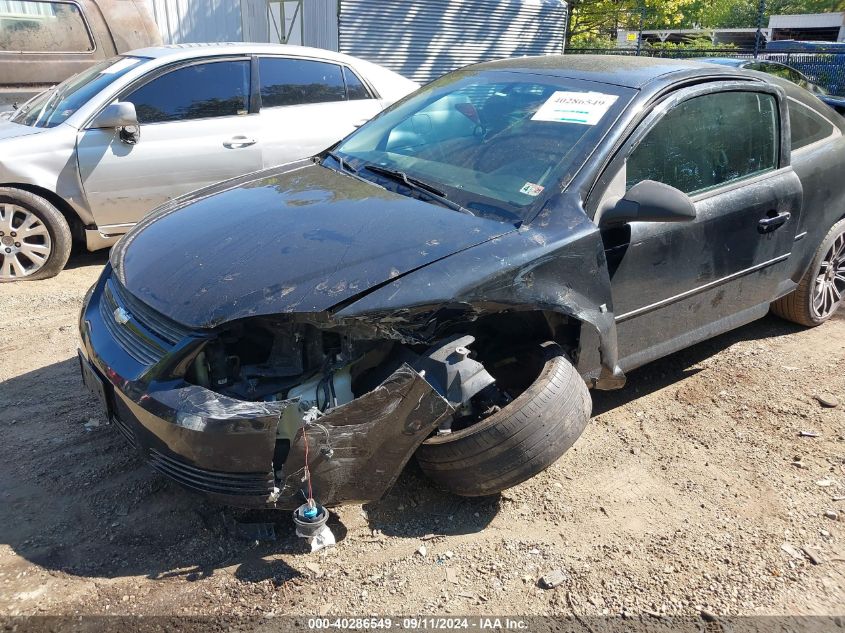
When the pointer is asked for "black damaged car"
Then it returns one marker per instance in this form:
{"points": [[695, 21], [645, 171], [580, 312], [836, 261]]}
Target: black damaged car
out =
{"points": [[449, 281]]}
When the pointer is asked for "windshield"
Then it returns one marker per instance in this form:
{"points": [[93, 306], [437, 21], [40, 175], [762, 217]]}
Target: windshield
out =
{"points": [[496, 143], [55, 105]]}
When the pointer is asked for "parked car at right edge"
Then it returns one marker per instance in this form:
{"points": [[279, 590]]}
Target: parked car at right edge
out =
{"points": [[784, 72], [87, 159]]}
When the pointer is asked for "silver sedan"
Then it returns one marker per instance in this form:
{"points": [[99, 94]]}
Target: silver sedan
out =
{"points": [[88, 158]]}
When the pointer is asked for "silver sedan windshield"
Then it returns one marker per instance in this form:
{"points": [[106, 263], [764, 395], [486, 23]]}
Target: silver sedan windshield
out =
{"points": [[54, 106]]}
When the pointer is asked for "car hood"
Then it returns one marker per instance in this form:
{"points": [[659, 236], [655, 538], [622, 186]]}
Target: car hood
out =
{"points": [[16, 130], [301, 239]]}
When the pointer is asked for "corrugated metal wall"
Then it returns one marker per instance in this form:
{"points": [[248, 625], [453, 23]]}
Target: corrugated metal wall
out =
{"points": [[254, 21], [320, 24], [421, 39], [183, 21], [425, 38]]}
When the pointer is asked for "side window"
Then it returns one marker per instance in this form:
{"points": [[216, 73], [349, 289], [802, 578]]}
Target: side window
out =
{"points": [[200, 91], [43, 27], [355, 88], [806, 126], [286, 82], [709, 141]]}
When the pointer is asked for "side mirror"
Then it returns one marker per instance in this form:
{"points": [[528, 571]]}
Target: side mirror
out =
{"points": [[122, 117], [650, 201], [115, 115]]}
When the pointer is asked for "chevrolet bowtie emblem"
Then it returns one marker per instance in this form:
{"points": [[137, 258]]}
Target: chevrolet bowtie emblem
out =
{"points": [[121, 316]]}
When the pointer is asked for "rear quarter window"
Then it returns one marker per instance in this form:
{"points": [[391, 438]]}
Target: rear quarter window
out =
{"points": [[806, 126], [355, 88], [43, 27]]}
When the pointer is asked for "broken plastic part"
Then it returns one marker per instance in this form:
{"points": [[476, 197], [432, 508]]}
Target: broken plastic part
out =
{"points": [[309, 519], [450, 370], [369, 441], [323, 538], [227, 426], [211, 406]]}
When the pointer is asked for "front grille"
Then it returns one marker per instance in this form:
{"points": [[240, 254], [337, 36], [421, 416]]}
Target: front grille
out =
{"points": [[164, 328], [237, 484], [139, 346], [125, 431], [147, 336]]}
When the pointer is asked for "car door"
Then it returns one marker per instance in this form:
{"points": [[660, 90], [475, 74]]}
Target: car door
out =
{"points": [[308, 105], [195, 129], [673, 284]]}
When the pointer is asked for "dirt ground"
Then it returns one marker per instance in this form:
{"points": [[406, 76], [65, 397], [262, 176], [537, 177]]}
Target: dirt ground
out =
{"points": [[678, 498]]}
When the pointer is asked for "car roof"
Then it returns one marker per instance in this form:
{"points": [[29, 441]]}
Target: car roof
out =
{"points": [[629, 71], [177, 52]]}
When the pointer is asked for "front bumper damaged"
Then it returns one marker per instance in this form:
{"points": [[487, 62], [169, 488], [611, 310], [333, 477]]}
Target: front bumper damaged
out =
{"points": [[357, 451], [228, 449]]}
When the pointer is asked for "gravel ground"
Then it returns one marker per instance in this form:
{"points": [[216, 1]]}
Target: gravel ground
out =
{"points": [[692, 489]]}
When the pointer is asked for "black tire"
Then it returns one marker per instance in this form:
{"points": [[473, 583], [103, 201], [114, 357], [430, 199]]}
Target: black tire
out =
{"points": [[60, 241], [797, 306], [518, 442]]}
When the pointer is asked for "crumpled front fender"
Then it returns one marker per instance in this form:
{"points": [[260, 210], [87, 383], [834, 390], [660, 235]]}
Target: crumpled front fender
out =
{"points": [[357, 451], [555, 264]]}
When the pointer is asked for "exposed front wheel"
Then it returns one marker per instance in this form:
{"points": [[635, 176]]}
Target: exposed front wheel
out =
{"points": [[820, 293], [35, 238], [517, 442]]}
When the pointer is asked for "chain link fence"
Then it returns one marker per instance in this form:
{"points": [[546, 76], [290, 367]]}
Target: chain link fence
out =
{"points": [[825, 68]]}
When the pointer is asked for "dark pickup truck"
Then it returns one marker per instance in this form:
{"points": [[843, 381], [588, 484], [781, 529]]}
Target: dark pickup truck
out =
{"points": [[44, 42]]}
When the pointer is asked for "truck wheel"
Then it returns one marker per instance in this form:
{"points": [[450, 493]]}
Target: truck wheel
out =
{"points": [[521, 440], [820, 293], [35, 238]]}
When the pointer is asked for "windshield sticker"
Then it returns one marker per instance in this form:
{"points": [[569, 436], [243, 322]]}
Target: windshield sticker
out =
{"points": [[530, 189], [123, 64], [585, 108]]}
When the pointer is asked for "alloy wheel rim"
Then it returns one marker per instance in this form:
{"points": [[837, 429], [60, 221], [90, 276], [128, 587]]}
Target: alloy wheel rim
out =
{"points": [[25, 243], [830, 280]]}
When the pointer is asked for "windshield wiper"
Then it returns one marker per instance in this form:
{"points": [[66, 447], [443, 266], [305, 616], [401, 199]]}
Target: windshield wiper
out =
{"points": [[419, 186], [348, 169], [343, 164]]}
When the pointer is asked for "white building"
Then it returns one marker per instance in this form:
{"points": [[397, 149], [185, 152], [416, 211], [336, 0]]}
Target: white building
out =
{"points": [[818, 27], [421, 39]]}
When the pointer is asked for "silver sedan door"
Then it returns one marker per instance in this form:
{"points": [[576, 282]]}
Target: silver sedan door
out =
{"points": [[308, 105], [195, 130]]}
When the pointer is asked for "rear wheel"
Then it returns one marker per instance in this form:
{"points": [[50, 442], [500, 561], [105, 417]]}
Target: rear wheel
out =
{"points": [[35, 238], [820, 293], [517, 442]]}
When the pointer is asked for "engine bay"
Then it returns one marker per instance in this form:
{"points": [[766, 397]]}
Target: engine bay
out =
{"points": [[269, 360]]}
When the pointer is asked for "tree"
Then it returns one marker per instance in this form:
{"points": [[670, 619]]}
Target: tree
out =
{"points": [[597, 21], [743, 13], [601, 19]]}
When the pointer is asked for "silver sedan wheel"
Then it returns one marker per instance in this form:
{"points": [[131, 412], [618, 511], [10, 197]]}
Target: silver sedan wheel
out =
{"points": [[25, 244], [830, 280]]}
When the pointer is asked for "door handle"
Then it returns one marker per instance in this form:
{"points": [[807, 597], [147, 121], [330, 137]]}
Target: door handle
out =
{"points": [[239, 141], [358, 124], [771, 222]]}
